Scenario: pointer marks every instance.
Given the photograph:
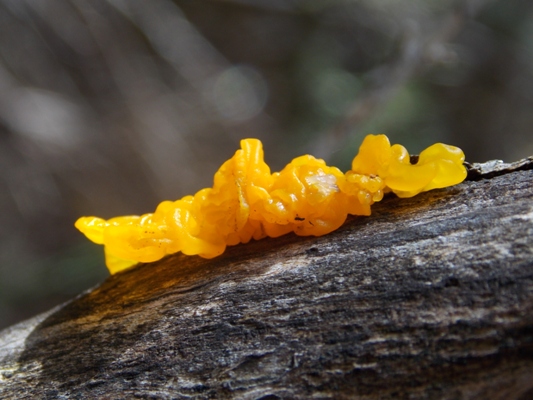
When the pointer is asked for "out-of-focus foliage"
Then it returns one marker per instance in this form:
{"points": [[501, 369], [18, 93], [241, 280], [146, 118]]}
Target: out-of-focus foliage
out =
{"points": [[109, 106]]}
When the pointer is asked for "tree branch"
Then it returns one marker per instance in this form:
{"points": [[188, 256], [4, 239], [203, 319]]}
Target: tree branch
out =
{"points": [[430, 297]]}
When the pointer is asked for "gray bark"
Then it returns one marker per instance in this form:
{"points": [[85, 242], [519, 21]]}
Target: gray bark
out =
{"points": [[430, 297]]}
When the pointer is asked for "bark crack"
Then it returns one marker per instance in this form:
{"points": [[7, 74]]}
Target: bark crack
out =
{"points": [[493, 168]]}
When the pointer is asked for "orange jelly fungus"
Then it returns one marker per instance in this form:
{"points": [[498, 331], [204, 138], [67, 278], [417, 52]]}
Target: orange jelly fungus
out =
{"points": [[247, 201]]}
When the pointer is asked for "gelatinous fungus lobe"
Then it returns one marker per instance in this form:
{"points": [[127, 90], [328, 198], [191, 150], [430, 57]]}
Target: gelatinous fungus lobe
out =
{"points": [[247, 201]]}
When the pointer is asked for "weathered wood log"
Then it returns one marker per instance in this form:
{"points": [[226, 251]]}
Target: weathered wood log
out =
{"points": [[430, 297]]}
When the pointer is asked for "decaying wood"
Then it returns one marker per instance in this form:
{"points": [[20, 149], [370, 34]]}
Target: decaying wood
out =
{"points": [[430, 297]]}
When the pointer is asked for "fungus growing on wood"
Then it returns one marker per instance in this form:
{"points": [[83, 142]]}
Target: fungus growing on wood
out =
{"points": [[247, 201]]}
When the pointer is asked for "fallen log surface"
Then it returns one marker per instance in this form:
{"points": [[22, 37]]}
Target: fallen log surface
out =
{"points": [[430, 297]]}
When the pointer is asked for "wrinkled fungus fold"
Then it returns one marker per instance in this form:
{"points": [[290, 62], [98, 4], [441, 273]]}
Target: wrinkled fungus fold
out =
{"points": [[247, 201]]}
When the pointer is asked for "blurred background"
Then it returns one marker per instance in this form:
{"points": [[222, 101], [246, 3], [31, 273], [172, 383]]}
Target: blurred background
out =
{"points": [[108, 107]]}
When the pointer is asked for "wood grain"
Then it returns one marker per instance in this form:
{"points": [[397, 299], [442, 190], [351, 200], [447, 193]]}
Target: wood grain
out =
{"points": [[428, 298]]}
